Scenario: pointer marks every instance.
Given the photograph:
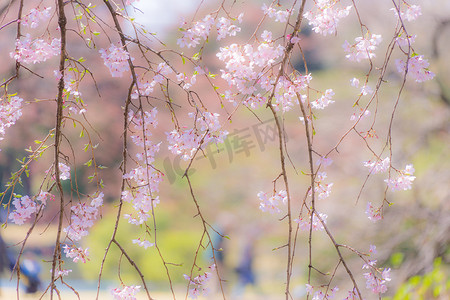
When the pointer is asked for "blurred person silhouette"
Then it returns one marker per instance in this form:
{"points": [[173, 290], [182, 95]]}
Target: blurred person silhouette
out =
{"points": [[29, 267], [219, 240], [244, 270]]}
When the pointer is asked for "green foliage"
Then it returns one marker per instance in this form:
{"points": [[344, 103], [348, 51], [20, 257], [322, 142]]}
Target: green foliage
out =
{"points": [[433, 285], [177, 247]]}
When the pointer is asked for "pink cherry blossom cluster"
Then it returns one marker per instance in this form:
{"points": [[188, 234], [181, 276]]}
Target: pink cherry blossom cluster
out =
{"points": [[316, 223], [324, 100], [64, 171], [374, 213], [116, 59], [10, 112], [411, 12], [374, 281], [417, 68], [225, 28], [323, 190], [279, 15], [26, 206], [62, 272], [271, 204], [144, 179], [35, 51], [352, 295], [326, 17], [363, 48], [245, 67], [378, 166], [186, 142], [201, 30], [198, 284], [126, 293], [404, 180], [241, 63], [34, 16], [362, 113], [404, 42], [321, 295], [82, 218], [189, 82], [142, 243], [70, 85], [324, 161], [77, 254], [129, 2], [146, 88], [365, 89], [286, 91]]}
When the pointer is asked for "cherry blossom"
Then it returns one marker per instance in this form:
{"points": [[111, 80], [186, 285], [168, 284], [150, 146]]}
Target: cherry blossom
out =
{"points": [[354, 82], [77, 254], [34, 16], [82, 218], [10, 112], [326, 17], [143, 243], [373, 281], [97, 201], [363, 48], [366, 90], [373, 213], [279, 15], [144, 179], [64, 171], [26, 206], [116, 59], [129, 2], [201, 30], [323, 190], [352, 295], [225, 28], [266, 36], [270, 204], [62, 272], [35, 51], [378, 166], [198, 283], [417, 68], [360, 115], [324, 161], [323, 101], [316, 224], [126, 293], [411, 12], [320, 295], [145, 89], [405, 42], [186, 142], [403, 181]]}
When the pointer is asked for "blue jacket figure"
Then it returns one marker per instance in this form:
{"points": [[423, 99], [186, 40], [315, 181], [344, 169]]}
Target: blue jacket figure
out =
{"points": [[244, 270], [29, 268]]}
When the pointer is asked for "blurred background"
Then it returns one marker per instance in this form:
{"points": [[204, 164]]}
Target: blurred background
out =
{"points": [[412, 240]]}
